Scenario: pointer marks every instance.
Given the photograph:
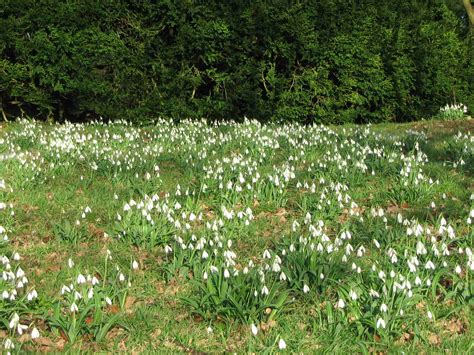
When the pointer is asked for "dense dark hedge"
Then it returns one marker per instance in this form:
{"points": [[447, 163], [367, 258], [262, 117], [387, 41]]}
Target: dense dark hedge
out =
{"points": [[307, 61]]}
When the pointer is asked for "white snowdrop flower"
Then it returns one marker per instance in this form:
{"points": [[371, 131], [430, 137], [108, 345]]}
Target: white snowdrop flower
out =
{"points": [[94, 281], [135, 265], [380, 323], [21, 328], [81, 279], [430, 315], [214, 269], [430, 265], [16, 256], [65, 289], [321, 276], [352, 295], [209, 330], [399, 218], [341, 304], [121, 277], [305, 288], [32, 295], [70, 263], [20, 272], [254, 329], [266, 254], [276, 267], [374, 293], [35, 334], [265, 291], [74, 307], [90, 293], [226, 274], [205, 276], [458, 269], [383, 307], [9, 344], [281, 344], [14, 321], [108, 301], [282, 276]]}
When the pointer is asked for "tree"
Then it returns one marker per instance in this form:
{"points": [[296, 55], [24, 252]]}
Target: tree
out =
{"points": [[470, 11]]}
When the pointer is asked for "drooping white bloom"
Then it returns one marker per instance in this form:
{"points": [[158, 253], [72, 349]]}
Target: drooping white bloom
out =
{"points": [[341, 304], [281, 344], [81, 279], [135, 265], [380, 323], [254, 329], [14, 321], [32, 295], [35, 334], [458, 269]]}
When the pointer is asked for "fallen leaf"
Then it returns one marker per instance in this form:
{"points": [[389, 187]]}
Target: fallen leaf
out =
{"points": [[434, 339], [129, 301]]}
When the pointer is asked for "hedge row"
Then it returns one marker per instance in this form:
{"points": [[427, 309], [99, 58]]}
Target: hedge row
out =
{"points": [[326, 61]]}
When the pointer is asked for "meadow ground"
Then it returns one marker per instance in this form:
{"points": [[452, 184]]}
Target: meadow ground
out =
{"points": [[237, 237]]}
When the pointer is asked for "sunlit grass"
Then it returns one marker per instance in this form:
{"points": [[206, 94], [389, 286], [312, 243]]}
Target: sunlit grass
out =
{"points": [[236, 237]]}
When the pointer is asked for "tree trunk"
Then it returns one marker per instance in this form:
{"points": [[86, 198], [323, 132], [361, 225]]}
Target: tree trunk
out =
{"points": [[470, 11]]}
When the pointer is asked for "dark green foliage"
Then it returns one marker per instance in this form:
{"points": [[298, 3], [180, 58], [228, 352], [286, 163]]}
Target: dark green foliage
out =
{"points": [[328, 61]]}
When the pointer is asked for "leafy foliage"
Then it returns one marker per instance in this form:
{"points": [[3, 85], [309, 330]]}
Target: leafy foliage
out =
{"points": [[329, 61]]}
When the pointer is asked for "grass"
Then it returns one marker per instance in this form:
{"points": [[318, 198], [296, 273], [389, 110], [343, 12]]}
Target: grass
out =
{"points": [[332, 239]]}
